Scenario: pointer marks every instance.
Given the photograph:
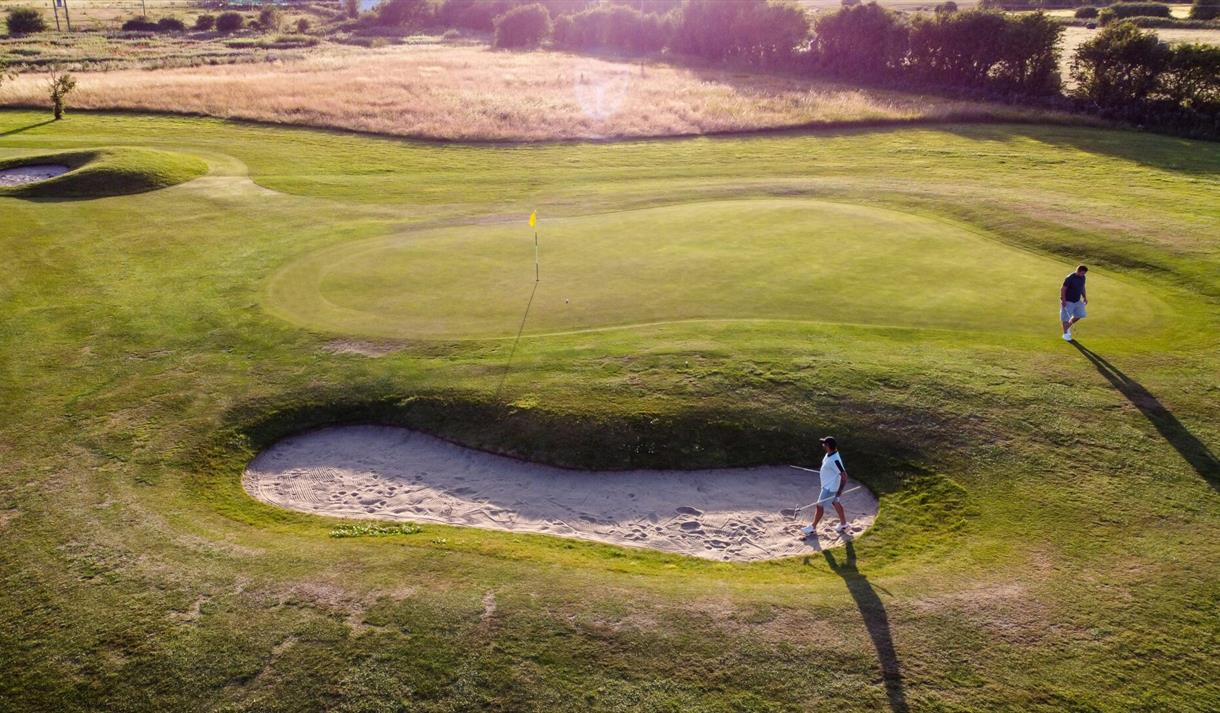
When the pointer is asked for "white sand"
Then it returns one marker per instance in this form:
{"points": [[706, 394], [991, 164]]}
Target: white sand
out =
{"points": [[28, 174], [397, 474]]}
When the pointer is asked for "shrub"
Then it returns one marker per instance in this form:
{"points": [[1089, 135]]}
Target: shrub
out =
{"points": [[205, 23], [945, 7], [524, 26], [403, 13], [1205, 10], [25, 20], [1120, 67], [229, 22], [270, 19], [862, 41], [1086, 13], [303, 25], [1123, 10], [171, 24], [139, 24]]}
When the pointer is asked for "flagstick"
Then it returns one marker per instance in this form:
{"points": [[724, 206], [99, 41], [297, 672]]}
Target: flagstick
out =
{"points": [[536, 273]]}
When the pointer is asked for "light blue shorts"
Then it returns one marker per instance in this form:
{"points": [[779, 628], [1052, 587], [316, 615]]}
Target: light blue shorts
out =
{"points": [[827, 497], [1070, 310]]}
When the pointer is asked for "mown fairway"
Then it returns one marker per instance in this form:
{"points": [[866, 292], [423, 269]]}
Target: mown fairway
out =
{"points": [[1046, 538]]}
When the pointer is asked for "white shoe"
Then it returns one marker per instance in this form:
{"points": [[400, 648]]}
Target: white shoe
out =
{"points": [[807, 530], [1067, 336]]}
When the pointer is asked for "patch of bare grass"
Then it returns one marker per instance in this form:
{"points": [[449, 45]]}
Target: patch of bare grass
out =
{"points": [[473, 93]]}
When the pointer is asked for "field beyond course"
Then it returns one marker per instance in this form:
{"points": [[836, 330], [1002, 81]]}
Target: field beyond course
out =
{"points": [[476, 93], [1047, 512]]}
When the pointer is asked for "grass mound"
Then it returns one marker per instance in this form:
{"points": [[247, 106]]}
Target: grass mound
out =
{"points": [[97, 173]]}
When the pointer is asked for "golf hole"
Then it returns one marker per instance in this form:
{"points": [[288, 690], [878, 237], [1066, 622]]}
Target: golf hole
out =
{"points": [[21, 175], [385, 473]]}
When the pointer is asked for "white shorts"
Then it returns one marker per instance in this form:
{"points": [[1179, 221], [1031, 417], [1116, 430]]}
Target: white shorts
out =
{"points": [[1070, 310]]}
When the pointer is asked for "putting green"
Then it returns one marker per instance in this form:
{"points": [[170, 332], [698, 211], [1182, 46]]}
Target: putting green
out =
{"points": [[782, 259]]}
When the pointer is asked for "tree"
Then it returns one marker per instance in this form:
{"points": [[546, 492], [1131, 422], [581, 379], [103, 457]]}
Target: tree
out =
{"points": [[403, 13], [863, 41], [24, 21], [1120, 67], [1029, 54], [755, 30], [524, 26], [474, 14], [351, 8], [1192, 78], [229, 22], [205, 23], [60, 85], [957, 49]]}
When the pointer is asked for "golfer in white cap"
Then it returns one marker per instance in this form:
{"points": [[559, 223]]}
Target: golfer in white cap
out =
{"points": [[834, 479]]}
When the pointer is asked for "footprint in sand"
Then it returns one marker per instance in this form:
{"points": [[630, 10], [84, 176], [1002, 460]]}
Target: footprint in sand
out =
{"points": [[686, 510], [690, 526]]}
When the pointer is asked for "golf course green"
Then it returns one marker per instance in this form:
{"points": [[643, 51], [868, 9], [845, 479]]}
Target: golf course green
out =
{"points": [[1045, 538], [794, 259]]}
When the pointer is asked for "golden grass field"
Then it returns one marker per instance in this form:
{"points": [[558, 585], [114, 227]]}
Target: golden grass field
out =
{"points": [[472, 92]]}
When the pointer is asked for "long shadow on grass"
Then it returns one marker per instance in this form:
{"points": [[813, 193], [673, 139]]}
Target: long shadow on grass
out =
{"points": [[876, 621], [20, 129], [508, 366], [1184, 442]]}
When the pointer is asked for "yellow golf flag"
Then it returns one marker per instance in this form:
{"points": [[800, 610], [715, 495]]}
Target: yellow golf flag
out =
{"points": [[533, 219]]}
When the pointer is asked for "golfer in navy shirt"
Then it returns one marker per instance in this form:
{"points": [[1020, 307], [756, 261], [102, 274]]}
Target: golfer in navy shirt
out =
{"points": [[1072, 299]]}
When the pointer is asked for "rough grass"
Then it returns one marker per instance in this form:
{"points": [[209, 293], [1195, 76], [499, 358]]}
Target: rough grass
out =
{"points": [[477, 93], [1048, 514]]}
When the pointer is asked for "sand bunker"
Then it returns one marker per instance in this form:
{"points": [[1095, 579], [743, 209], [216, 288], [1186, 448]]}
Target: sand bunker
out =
{"points": [[19, 175], [398, 474]]}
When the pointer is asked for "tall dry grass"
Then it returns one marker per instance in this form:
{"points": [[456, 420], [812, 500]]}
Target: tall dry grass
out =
{"points": [[464, 92]]}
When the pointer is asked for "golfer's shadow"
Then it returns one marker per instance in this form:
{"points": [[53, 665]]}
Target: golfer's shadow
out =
{"points": [[1184, 442], [872, 610]]}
